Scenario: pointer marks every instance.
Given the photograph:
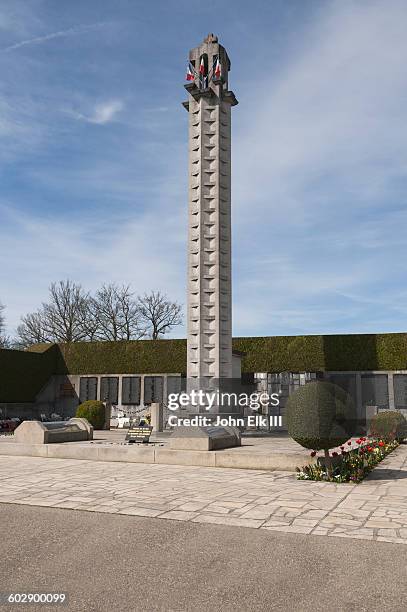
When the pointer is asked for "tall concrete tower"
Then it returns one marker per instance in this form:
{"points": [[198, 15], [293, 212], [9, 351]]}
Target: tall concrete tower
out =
{"points": [[209, 239]]}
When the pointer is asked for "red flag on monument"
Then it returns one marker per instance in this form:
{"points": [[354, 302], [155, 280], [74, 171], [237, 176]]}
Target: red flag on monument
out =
{"points": [[202, 66], [189, 75], [217, 69]]}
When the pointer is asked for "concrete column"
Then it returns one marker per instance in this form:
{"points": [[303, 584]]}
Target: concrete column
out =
{"points": [[141, 390], [209, 311], [359, 402], [108, 415], [119, 391], [390, 382], [157, 416]]}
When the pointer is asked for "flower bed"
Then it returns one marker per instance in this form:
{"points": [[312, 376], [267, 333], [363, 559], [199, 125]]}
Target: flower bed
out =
{"points": [[352, 463]]}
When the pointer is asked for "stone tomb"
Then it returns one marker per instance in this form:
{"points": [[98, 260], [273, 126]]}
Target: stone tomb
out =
{"points": [[36, 432], [204, 438]]}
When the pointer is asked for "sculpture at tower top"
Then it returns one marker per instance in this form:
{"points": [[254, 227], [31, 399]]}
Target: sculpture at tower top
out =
{"points": [[209, 310]]}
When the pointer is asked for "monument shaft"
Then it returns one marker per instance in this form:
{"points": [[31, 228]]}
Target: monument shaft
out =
{"points": [[209, 317]]}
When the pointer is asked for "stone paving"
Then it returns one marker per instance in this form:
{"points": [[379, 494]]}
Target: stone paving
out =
{"points": [[279, 442], [261, 444], [375, 509]]}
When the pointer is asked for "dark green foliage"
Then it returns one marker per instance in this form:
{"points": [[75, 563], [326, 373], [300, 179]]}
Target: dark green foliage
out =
{"points": [[93, 411], [391, 351], [348, 352], [389, 425], [124, 357], [261, 354], [320, 415], [365, 352], [23, 373], [281, 353]]}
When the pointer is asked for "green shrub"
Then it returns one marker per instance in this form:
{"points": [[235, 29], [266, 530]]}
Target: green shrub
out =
{"points": [[389, 425], [93, 411], [320, 415]]}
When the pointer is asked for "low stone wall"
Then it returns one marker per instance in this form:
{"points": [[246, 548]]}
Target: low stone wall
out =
{"points": [[234, 458]]}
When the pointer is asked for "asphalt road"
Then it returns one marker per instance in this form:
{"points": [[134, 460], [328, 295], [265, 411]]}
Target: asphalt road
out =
{"points": [[111, 562]]}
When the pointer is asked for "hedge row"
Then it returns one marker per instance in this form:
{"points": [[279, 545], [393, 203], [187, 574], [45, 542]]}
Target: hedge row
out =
{"points": [[261, 354], [365, 352], [23, 373], [281, 353], [138, 356]]}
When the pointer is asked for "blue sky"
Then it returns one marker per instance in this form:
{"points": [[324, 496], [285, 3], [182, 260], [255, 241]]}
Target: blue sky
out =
{"points": [[93, 155]]}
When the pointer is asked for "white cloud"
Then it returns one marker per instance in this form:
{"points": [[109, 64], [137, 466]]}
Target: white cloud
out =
{"points": [[103, 112], [106, 112], [74, 31], [320, 192], [146, 252], [336, 108]]}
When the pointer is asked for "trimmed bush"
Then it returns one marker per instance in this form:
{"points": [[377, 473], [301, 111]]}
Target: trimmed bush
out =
{"points": [[389, 425], [93, 411], [320, 416]]}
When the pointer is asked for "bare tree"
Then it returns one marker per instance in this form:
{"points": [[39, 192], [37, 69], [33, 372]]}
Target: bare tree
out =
{"points": [[4, 339], [62, 319], [159, 314], [2, 320], [115, 314], [65, 314], [32, 329], [72, 315], [90, 323], [132, 325]]}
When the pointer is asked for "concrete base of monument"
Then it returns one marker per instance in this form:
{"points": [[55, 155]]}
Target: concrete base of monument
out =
{"points": [[204, 438], [263, 453]]}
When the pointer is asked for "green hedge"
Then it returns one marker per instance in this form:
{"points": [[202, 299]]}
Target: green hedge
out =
{"points": [[365, 352], [139, 356], [155, 356], [281, 353], [324, 353], [261, 354], [24, 373]]}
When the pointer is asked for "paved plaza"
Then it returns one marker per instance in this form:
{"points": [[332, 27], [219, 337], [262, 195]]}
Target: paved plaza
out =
{"points": [[376, 509], [257, 452]]}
